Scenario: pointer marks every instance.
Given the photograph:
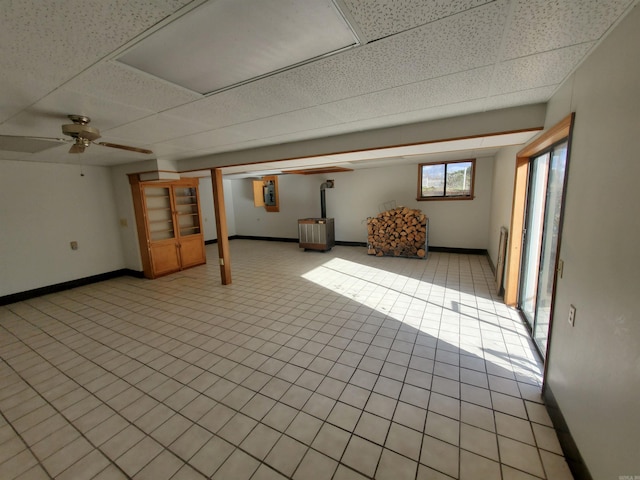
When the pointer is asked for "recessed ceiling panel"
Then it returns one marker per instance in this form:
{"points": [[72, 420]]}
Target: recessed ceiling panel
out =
{"points": [[229, 42]]}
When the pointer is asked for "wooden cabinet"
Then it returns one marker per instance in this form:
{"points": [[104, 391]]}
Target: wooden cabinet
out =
{"points": [[168, 223]]}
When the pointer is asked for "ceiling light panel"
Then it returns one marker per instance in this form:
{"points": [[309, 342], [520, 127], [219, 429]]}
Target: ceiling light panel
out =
{"points": [[229, 42]]}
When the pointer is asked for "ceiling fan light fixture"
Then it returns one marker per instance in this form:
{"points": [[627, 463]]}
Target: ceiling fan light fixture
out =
{"points": [[77, 148]]}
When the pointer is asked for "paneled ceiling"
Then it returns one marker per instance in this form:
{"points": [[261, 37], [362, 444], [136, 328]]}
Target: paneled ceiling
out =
{"points": [[414, 60]]}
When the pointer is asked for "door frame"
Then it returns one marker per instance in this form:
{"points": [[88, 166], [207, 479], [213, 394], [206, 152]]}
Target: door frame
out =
{"points": [[557, 133]]}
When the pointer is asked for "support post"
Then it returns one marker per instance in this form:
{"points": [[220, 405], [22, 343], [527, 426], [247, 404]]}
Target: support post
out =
{"points": [[224, 257]]}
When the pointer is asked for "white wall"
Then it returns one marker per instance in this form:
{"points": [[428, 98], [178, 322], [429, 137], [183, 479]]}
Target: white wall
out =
{"points": [[299, 197], [504, 170], [364, 193], [46, 206], [594, 367], [207, 210]]}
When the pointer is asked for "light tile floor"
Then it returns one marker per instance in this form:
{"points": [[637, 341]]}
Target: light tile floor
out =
{"points": [[310, 365]]}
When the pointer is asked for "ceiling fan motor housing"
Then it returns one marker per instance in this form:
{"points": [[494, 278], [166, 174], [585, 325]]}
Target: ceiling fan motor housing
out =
{"points": [[80, 128]]}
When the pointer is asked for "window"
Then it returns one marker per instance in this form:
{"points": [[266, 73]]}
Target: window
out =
{"points": [[446, 180]]}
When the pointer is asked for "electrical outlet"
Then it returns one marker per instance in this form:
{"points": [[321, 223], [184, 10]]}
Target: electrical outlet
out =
{"points": [[572, 315], [73, 245]]}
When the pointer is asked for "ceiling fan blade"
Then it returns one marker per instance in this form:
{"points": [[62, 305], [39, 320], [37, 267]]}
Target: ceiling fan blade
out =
{"points": [[125, 147], [28, 144]]}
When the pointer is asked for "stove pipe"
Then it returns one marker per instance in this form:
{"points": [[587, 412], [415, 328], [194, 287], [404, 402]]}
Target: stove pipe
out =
{"points": [[323, 202]]}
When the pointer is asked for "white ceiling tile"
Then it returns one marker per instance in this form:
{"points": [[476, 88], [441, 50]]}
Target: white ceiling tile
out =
{"points": [[46, 117], [157, 128], [119, 83], [542, 25], [540, 70], [258, 132], [524, 97], [381, 18], [53, 41], [208, 139], [291, 122], [455, 88], [165, 150], [18, 91], [429, 61], [435, 113], [458, 43], [270, 96]]}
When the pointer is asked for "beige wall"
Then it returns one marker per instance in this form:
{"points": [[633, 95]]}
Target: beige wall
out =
{"points": [[46, 206], [364, 193], [594, 367], [501, 197]]}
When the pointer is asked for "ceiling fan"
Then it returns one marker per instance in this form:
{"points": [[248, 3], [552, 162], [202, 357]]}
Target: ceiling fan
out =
{"points": [[81, 133]]}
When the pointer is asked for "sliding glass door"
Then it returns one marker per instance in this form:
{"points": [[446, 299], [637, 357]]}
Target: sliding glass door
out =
{"points": [[545, 196]]}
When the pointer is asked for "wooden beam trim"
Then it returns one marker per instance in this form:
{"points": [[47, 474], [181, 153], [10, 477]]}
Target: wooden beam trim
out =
{"points": [[221, 226]]}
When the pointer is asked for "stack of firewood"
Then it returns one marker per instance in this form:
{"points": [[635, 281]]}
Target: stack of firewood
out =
{"points": [[400, 232]]}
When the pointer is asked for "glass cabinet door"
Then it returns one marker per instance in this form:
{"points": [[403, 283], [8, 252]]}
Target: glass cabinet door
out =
{"points": [[188, 220], [159, 214]]}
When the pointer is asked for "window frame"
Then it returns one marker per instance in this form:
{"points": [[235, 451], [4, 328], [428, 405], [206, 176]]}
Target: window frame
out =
{"points": [[471, 195]]}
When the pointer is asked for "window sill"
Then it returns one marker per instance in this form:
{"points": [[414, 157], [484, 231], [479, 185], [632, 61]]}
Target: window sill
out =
{"points": [[440, 199]]}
